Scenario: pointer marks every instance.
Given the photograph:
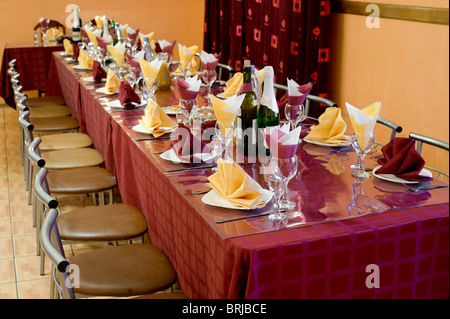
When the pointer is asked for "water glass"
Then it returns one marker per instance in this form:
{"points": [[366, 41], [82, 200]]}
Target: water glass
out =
{"points": [[278, 187], [285, 169], [295, 114], [209, 77], [226, 135], [363, 144]]}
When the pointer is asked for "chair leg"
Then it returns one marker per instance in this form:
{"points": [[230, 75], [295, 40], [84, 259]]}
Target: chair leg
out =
{"points": [[30, 181], [111, 196]]}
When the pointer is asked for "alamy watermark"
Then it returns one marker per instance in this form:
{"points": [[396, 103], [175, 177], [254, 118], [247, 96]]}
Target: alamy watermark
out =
{"points": [[373, 20]]}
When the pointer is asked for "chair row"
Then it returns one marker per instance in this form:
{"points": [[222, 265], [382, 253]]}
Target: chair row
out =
{"points": [[61, 161]]}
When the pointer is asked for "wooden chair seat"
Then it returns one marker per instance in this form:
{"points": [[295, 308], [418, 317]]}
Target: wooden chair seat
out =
{"points": [[72, 158], [55, 124], [85, 180], [123, 271], [45, 100], [64, 141], [49, 111]]}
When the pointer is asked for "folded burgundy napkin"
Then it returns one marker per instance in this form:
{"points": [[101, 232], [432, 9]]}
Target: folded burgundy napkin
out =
{"points": [[298, 93], [166, 46], [97, 72], [76, 51], [186, 145], [85, 36], [402, 160], [44, 24], [210, 61], [127, 96], [102, 44], [133, 36], [282, 142]]}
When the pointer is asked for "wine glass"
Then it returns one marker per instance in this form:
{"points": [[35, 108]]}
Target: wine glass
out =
{"points": [[363, 144], [226, 135], [185, 68], [150, 88], [209, 76], [278, 187], [216, 149], [295, 114], [182, 116], [284, 169]]}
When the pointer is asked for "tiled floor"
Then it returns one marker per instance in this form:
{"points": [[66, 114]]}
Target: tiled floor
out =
{"points": [[19, 264]]}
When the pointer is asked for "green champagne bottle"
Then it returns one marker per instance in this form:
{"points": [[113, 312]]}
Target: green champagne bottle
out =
{"points": [[268, 113], [76, 32], [246, 119]]}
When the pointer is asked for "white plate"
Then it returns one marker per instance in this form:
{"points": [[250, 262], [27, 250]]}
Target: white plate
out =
{"points": [[169, 110], [116, 104], [64, 54], [214, 199], [103, 91], [90, 79], [140, 129], [171, 156], [395, 179], [69, 59], [343, 143], [79, 67]]}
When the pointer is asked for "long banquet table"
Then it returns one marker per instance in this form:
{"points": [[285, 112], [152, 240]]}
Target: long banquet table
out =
{"points": [[312, 256], [33, 64]]}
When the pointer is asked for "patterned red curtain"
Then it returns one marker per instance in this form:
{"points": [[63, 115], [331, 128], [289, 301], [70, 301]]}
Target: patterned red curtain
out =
{"points": [[290, 35]]}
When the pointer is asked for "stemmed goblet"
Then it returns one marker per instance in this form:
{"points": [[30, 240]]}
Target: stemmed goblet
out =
{"points": [[363, 144], [150, 88], [278, 187], [226, 135], [285, 169], [209, 76], [185, 68], [295, 114]]}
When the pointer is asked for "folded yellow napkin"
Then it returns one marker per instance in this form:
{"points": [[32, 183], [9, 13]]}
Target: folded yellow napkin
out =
{"points": [[226, 110], [112, 83], [52, 33], [234, 84], [155, 120], [99, 22], [363, 121], [84, 60], [331, 128], [150, 38], [150, 70], [234, 185], [93, 38], [117, 52], [68, 47]]}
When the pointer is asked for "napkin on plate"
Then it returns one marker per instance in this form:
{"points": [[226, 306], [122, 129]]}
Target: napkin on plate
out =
{"points": [[189, 88], [98, 73], [209, 61], [112, 82], [234, 85], [331, 128], [281, 142], [167, 46], [76, 52], [127, 96], [84, 60], [234, 185], [298, 93], [68, 47], [226, 110], [186, 145], [93, 36], [364, 121], [155, 120], [150, 70], [117, 52], [402, 160], [52, 33]]}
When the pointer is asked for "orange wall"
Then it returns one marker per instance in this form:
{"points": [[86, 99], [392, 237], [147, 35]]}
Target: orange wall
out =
{"points": [[403, 64], [169, 19]]}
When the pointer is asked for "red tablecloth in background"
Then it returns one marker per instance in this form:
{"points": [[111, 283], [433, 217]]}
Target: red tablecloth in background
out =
{"points": [[410, 246], [33, 64]]}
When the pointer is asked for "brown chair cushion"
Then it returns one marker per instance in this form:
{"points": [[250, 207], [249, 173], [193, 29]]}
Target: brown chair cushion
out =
{"points": [[102, 223], [163, 295], [49, 111], [72, 158], [64, 141], [83, 180], [55, 124], [45, 100], [123, 271]]}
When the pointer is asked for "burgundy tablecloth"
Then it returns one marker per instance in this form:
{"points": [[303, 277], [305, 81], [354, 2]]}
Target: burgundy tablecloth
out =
{"points": [[410, 246], [33, 64]]}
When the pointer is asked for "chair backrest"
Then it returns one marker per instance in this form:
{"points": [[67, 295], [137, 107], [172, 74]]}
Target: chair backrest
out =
{"points": [[310, 98], [421, 139], [199, 61], [223, 71], [394, 127], [53, 248], [52, 24]]}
